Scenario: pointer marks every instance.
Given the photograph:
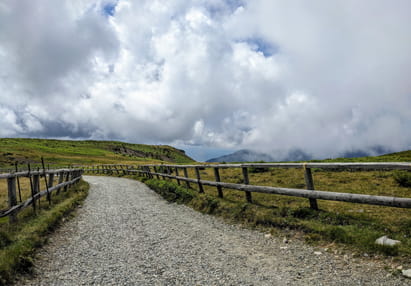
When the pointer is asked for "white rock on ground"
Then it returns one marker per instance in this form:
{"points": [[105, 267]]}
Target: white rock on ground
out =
{"points": [[407, 273], [384, 240]]}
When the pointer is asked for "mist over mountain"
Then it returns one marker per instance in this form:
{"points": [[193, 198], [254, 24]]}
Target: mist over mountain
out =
{"points": [[246, 155]]}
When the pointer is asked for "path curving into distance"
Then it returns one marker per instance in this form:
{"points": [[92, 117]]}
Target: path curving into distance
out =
{"points": [[125, 234]]}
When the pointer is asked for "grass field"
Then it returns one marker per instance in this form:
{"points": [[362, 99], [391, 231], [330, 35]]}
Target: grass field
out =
{"points": [[67, 152]]}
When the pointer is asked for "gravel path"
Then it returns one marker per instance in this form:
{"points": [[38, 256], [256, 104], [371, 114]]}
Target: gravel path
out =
{"points": [[125, 234]]}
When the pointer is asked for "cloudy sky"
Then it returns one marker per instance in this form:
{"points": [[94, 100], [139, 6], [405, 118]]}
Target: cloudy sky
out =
{"points": [[210, 76]]}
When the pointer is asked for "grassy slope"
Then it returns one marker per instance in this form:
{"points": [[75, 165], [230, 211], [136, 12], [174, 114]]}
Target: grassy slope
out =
{"points": [[65, 152], [404, 156]]}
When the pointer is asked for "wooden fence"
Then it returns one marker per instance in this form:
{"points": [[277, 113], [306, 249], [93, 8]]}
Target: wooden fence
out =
{"points": [[166, 171], [109, 169], [66, 178]]}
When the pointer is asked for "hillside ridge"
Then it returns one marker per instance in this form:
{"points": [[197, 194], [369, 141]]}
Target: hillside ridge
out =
{"points": [[87, 152]]}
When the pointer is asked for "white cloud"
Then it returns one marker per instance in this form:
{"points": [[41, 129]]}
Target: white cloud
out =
{"points": [[264, 74]]}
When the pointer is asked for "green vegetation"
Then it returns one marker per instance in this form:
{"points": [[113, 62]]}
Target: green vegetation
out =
{"points": [[170, 191], [66, 152], [404, 156], [403, 178], [18, 242]]}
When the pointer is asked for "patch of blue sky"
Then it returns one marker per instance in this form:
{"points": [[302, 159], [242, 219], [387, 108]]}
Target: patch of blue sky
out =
{"points": [[260, 45], [109, 9], [228, 7]]}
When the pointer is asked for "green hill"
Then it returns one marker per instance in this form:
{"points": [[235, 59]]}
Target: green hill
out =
{"points": [[404, 156], [66, 152]]}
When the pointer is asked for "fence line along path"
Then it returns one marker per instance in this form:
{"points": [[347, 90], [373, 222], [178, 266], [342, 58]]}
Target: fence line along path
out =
{"points": [[67, 177], [167, 170], [126, 234]]}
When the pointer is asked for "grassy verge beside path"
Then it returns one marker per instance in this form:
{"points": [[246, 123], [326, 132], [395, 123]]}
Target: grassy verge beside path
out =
{"points": [[18, 243]]}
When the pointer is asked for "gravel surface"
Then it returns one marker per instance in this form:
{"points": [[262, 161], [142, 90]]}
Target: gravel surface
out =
{"points": [[125, 234]]}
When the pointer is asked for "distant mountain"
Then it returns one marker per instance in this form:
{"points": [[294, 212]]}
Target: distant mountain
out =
{"points": [[373, 151], [242, 156], [246, 155], [252, 156]]}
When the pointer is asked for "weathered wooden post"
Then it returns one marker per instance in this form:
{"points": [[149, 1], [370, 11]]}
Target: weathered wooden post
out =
{"points": [[162, 171], [156, 171], [310, 185], [45, 181], [67, 180], [36, 186], [61, 179], [51, 180], [200, 186], [145, 171], [18, 181], [186, 175], [217, 179], [150, 176], [178, 181], [31, 187], [11, 186], [246, 182], [169, 172]]}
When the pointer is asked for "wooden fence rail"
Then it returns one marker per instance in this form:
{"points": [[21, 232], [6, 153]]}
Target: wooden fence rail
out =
{"points": [[67, 177], [165, 171]]}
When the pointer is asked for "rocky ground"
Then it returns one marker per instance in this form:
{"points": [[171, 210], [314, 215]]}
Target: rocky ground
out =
{"points": [[125, 234]]}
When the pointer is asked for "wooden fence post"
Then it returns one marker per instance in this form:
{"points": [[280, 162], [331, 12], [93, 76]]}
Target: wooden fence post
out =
{"points": [[162, 171], [61, 178], [51, 180], [310, 186], [123, 169], [186, 175], [169, 173], [150, 176], [156, 171], [36, 186], [217, 179], [11, 186], [200, 186], [246, 182], [67, 179], [18, 181], [178, 181]]}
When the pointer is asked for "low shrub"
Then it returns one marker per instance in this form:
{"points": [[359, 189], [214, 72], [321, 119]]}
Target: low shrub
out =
{"points": [[170, 191], [403, 178]]}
